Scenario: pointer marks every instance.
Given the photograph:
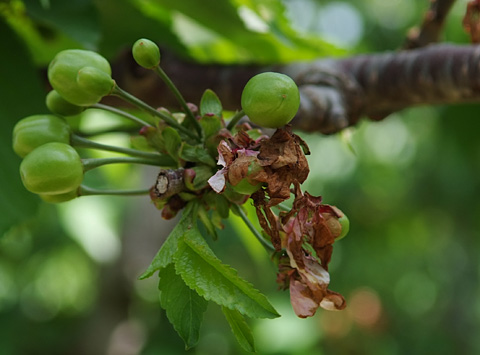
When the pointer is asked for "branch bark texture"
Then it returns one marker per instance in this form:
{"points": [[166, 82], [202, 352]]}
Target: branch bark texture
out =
{"points": [[335, 93]]}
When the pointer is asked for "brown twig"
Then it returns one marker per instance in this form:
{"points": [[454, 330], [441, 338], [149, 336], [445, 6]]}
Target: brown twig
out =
{"points": [[471, 20], [431, 27]]}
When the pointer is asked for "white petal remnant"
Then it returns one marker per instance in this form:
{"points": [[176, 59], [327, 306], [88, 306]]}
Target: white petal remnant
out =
{"points": [[217, 181]]}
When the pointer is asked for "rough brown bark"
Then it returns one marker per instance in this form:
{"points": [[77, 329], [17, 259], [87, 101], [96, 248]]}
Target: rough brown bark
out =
{"points": [[335, 93]]}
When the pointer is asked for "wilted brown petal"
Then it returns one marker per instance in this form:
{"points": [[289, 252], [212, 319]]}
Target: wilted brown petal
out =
{"points": [[302, 301]]}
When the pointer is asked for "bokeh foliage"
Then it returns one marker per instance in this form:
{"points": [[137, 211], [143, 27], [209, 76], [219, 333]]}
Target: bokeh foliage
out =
{"points": [[409, 268]]}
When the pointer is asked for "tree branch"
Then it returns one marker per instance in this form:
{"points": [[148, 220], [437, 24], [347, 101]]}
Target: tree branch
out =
{"points": [[335, 93], [432, 25]]}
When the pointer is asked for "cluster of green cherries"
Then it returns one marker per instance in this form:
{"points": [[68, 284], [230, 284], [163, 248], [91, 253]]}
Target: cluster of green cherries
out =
{"points": [[52, 167]]}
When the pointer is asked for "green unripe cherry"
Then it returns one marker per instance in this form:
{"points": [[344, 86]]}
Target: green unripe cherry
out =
{"points": [[53, 168], [95, 81], [244, 187], [58, 105], [270, 99], [34, 131], [242, 173], [58, 198], [345, 223], [68, 76], [146, 53]]}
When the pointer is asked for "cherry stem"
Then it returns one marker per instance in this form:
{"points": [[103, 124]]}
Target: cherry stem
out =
{"points": [[121, 113], [234, 120], [88, 191], [81, 142], [117, 91], [268, 246], [92, 163], [171, 86]]}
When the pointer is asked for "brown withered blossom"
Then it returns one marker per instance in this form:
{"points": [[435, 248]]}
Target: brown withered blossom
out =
{"points": [[309, 235], [306, 233]]}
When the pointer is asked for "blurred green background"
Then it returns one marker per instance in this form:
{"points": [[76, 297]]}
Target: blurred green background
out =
{"points": [[409, 268]]}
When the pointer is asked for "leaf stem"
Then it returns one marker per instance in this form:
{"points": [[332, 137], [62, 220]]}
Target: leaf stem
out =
{"points": [[234, 120], [92, 163], [252, 228], [171, 86], [117, 91], [121, 113], [88, 191]]}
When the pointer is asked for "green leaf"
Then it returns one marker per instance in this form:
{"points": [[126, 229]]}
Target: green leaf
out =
{"points": [[210, 104], [211, 125], [222, 206], [172, 141], [184, 307], [164, 256], [207, 222], [78, 19], [240, 329], [196, 154], [22, 94], [203, 271]]}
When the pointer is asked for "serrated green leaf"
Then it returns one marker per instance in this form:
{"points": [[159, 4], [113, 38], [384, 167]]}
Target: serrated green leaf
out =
{"points": [[207, 222], [210, 104], [164, 256], [196, 154], [172, 141], [240, 329], [184, 307], [203, 271]]}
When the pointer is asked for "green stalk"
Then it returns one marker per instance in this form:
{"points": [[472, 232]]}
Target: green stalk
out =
{"points": [[87, 143], [283, 207], [88, 191], [234, 120], [252, 228], [92, 163], [171, 86], [117, 91], [121, 113]]}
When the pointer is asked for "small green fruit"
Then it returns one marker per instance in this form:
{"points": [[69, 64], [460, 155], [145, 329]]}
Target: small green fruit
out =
{"points": [[64, 69], [58, 198], [53, 168], [95, 81], [243, 174], [270, 99], [345, 223], [246, 188], [34, 131], [146, 53], [58, 105]]}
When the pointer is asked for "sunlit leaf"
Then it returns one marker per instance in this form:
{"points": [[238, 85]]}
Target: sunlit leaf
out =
{"points": [[215, 281]]}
